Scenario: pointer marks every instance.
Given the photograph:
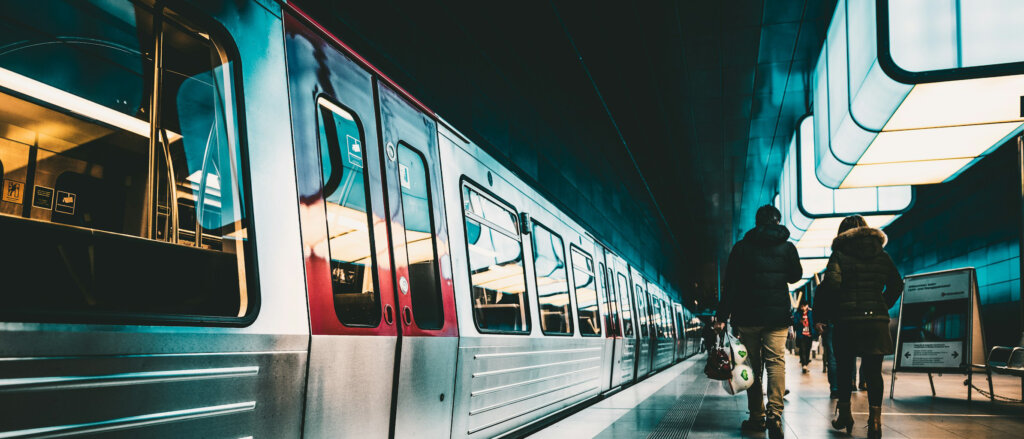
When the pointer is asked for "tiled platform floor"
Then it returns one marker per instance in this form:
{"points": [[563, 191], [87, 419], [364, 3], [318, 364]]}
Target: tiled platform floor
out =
{"points": [[680, 402]]}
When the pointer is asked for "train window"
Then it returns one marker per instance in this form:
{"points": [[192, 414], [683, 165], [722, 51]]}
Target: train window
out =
{"points": [[612, 318], [642, 312], [123, 202], [356, 302], [656, 317], [586, 293], [495, 265], [552, 281], [424, 283], [627, 307]]}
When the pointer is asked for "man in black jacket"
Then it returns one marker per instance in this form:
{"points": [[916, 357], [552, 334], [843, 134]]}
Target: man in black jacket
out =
{"points": [[756, 298]]}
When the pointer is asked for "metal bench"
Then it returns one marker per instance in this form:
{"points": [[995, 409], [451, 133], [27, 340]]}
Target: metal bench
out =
{"points": [[1007, 360]]}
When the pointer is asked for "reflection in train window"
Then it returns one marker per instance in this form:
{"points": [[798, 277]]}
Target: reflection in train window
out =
{"points": [[356, 302], [612, 319], [424, 283], [103, 174], [641, 309], [586, 293], [627, 305], [656, 317], [552, 282], [495, 265]]}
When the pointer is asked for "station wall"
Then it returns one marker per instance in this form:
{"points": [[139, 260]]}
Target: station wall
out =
{"points": [[972, 221]]}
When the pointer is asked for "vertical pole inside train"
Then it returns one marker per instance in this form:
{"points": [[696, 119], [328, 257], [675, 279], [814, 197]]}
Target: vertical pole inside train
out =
{"points": [[1020, 166]]}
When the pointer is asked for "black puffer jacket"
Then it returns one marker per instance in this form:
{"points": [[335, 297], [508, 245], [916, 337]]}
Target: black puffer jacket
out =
{"points": [[861, 282], [756, 290]]}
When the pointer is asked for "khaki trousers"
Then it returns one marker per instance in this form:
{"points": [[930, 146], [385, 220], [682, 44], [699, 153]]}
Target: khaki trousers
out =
{"points": [[772, 343]]}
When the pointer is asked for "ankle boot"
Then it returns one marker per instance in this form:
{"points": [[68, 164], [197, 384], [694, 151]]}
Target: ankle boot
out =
{"points": [[874, 422], [844, 419]]}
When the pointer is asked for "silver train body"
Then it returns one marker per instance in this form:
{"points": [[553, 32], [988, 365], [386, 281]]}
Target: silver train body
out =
{"points": [[468, 360]]}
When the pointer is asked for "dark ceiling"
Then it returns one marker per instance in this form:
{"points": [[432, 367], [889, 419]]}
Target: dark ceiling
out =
{"points": [[703, 96]]}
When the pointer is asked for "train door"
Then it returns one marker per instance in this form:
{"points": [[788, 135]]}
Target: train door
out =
{"points": [[344, 228], [428, 332], [681, 335], [643, 313], [627, 351], [613, 324]]}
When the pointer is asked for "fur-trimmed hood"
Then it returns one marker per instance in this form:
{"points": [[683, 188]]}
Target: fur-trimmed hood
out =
{"points": [[767, 235], [863, 242]]}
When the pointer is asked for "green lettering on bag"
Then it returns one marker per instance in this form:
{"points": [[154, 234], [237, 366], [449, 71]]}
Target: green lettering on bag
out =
{"points": [[745, 375]]}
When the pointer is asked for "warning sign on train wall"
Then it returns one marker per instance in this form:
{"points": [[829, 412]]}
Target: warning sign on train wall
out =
{"points": [[940, 323]]}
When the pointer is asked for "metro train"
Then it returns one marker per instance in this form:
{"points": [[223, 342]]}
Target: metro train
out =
{"points": [[331, 259]]}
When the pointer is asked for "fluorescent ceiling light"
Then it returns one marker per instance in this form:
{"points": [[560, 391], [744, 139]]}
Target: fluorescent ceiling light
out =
{"points": [[914, 105], [76, 104], [797, 285], [813, 266]]}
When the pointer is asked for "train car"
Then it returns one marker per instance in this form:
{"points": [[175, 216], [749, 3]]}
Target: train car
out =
{"points": [[229, 224]]}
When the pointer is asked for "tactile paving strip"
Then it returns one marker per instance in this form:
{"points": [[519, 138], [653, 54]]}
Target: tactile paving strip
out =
{"points": [[680, 418]]}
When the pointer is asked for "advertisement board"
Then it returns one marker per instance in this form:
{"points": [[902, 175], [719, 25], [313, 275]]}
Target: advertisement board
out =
{"points": [[939, 327]]}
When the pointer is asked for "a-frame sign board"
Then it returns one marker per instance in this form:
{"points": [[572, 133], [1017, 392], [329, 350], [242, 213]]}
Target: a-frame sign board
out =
{"points": [[940, 328]]}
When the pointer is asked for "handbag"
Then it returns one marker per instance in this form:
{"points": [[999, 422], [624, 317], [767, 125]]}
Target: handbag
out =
{"points": [[719, 365]]}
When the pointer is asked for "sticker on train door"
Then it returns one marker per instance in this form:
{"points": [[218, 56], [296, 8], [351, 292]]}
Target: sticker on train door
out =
{"points": [[42, 198], [65, 203], [403, 176], [355, 151], [14, 191]]}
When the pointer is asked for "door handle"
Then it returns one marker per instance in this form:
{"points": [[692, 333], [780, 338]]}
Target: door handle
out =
{"points": [[389, 315], [407, 316]]}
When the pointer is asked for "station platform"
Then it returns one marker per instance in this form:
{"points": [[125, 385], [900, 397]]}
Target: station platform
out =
{"points": [[680, 402]]}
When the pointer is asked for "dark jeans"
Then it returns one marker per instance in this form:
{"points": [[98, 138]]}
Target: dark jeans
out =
{"points": [[804, 343], [870, 372], [833, 363]]}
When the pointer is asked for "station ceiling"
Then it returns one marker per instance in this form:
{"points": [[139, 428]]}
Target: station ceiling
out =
{"points": [[705, 94]]}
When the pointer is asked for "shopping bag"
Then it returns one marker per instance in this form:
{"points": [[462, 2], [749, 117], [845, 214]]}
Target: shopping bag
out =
{"points": [[742, 376], [737, 350], [741, 380]]}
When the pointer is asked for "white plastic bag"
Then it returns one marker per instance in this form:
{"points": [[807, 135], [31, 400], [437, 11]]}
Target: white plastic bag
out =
{"points": [[737, 350], [742, 379], [742, 374]]}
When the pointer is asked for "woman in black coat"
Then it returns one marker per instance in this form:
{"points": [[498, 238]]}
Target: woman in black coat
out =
{"points": [[861, 283]]}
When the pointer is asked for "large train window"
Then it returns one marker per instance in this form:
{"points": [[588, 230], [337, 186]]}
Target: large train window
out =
{"points": [[627, 305], [552, 281], [356, 302], [586, 293], [123, 179], [424, 282], [495, 264]]}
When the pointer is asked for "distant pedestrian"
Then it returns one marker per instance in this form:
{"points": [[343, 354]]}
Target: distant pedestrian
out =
{"points": [[803, 327], [756, 299], [861, 283]]}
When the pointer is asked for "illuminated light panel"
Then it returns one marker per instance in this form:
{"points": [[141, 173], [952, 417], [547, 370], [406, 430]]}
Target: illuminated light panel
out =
{"points": [[933, 171], [797, 285], [76, 104], [823, 230], [884, 131], [813, 266], [813, 236], [935, 143]]}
